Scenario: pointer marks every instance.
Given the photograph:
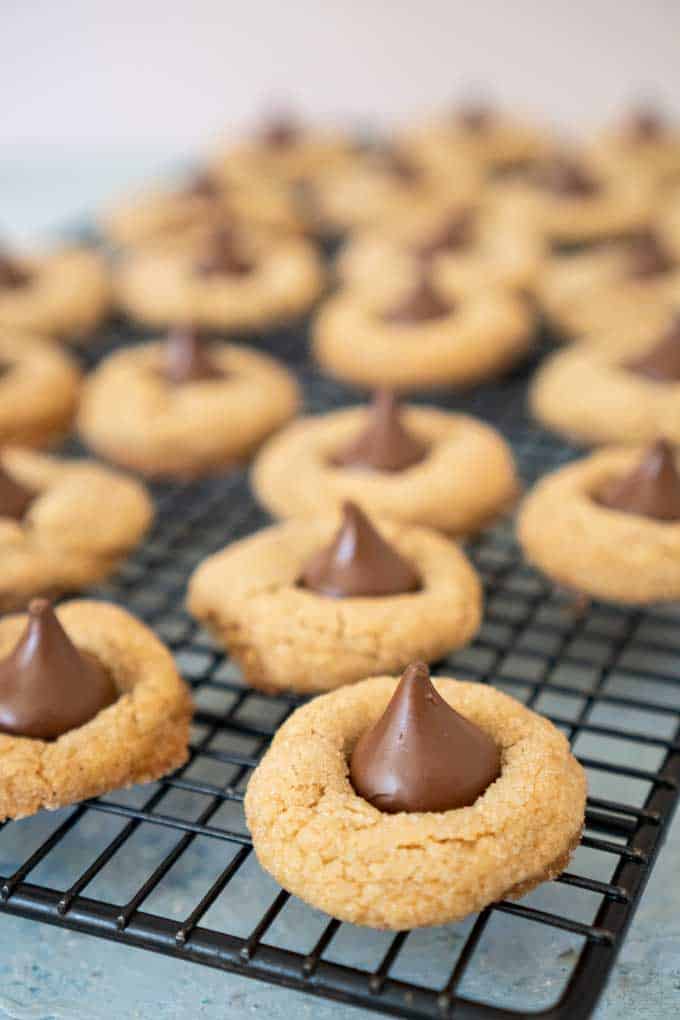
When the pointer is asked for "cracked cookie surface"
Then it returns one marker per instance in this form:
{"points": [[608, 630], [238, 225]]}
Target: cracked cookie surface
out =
{"points": [[333, 849], [285, 637]]}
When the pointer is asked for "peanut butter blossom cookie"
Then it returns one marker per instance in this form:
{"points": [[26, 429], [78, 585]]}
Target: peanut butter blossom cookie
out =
{"points": [[424, 338], [645, 144], [465, 248], [475, 132], [163, 216], [619, 287], [384, 184], [64, 524], [89, 701], [629, 392], [284, 150], [64, 293], [419, 465], [609, 525], [400, 804], [184, 408], [39, 385], [308, 606], [231, 279], [573, 202]]}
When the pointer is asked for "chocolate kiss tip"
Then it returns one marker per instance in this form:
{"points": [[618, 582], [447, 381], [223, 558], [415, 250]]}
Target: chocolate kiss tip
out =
{"points": [[384, 444], [454, 233], [648, 256], [646, 123], [12, 274], [420, 305], [15, 499], [358, 562], [416, 672], [421, 755], [36, 607], [563, 175], [662, 362], [476, 116], [186, 359], [222, 254], [651, 489]]}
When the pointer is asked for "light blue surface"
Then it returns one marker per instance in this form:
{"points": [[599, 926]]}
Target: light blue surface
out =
{"points": [[52, 974]]}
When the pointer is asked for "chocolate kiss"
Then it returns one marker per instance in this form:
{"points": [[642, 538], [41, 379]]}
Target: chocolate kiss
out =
{"points": [[186, 359], [476, 117], [280, 132], [420, 305], [564, 176], [384, 444], [202, 185], [12, 275], [662, 362], [15, 499], [421, 755], [456, 232], [648, 257], [646, 125], [358, 562], [651, 489], [400, 166], [222, 257], [48, 686]]}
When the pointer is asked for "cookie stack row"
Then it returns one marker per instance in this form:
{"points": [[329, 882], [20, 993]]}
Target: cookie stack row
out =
{"points": [[458, 234], [456, 238]]}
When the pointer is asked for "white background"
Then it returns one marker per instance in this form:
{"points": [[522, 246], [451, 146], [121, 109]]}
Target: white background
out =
{"points": [[99, 91]]}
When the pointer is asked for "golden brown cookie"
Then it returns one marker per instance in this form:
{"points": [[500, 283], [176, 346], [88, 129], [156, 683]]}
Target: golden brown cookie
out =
{"points": [[332, 848], [477, 134], [617, 288], [567, 532], [81, 520], [133, 415], [39, 386], [643, 145], [465, 479], [65, 293], [573, 202], [161, 215], [287, 637], [270, 280], [285, 150], [466, 248], [476, 335], [591, 393], [378, 187], [138, 738]]}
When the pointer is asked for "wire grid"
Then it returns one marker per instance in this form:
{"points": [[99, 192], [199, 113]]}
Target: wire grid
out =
{"points": [[169, 867]]}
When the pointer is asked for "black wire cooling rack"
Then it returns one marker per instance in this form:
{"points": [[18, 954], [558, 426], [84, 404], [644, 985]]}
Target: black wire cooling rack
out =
{"points": [[169, 867]]}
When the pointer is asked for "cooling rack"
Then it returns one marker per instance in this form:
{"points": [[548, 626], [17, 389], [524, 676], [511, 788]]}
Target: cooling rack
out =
{"points": [[169, 867]]}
